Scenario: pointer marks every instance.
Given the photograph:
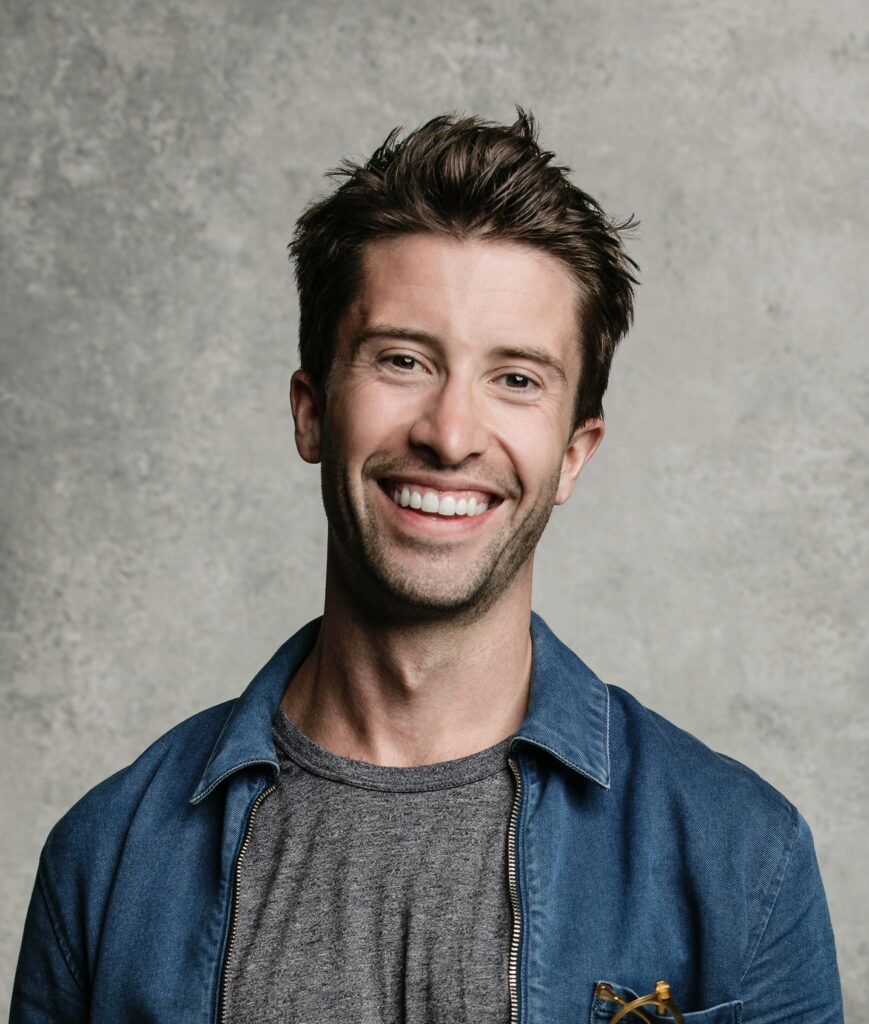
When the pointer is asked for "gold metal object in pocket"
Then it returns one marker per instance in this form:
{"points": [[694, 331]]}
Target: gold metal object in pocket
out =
{"points": [[661, 999]]}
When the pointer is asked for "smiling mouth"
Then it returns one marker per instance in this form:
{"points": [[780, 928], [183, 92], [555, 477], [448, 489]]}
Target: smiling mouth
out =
{"points": [[444, 504]]}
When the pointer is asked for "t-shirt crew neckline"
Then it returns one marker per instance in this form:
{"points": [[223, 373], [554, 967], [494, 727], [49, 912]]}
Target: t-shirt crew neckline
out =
{"points": [[293, 745]]}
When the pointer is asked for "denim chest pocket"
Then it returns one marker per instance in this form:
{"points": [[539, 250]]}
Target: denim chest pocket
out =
{"points": [[603, 1010]]}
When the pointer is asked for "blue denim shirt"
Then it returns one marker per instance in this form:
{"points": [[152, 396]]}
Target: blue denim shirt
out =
{"points": [[636, 854]]}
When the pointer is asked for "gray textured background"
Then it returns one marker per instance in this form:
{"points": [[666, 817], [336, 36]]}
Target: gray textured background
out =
{"points": [[160, 536]]}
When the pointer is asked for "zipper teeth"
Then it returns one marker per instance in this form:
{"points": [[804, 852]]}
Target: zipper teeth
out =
{"points": [[513, 963], [236, 886]]}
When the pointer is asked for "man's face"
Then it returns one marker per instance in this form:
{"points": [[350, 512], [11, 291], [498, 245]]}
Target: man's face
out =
{"points": [[447, 433]]}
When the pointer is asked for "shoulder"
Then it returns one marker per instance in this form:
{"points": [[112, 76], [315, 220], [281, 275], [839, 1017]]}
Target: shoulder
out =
{"points": [[662, 772], [686, 780], [102, 847], [642, 736], [163, 776]]}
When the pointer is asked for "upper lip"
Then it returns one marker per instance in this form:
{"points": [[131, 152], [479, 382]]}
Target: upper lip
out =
{"points": [[436, 482]]}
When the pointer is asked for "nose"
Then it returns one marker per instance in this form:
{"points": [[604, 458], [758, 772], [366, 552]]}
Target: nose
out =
{"points": [[450, 424]]}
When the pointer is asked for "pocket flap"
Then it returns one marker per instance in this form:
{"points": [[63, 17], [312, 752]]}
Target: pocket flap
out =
{"points": [[603, 1010]]}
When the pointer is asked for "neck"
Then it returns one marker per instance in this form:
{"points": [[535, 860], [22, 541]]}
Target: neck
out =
{"points": [[412, 693]]}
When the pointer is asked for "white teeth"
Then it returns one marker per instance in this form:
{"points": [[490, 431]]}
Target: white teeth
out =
{"points": [[432, 503], [447, 506]]}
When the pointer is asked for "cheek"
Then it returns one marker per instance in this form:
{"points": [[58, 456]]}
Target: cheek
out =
{"points": [[365, 424], [535, 446]]}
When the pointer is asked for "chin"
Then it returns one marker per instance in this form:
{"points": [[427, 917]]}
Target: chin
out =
{"points": [[404, 600]]}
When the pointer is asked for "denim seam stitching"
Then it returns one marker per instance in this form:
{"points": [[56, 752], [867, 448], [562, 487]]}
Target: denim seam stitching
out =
{"points": [[598, 1012], [63, 945], [606, 738], [772, 892], [231, 771]]}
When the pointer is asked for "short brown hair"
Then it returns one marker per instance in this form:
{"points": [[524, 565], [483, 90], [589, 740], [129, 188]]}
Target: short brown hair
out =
{"points": [[463, 177]]}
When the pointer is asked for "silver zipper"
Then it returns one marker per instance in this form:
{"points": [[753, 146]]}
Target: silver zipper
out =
{"points": [[237, 884], [513, 963]]}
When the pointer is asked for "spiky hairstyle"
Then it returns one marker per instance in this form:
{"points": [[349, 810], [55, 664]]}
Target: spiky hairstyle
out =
{"points": [[464, 177]]}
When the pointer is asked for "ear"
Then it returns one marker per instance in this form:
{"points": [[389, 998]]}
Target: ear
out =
{"points": [[307, 415], [582, 445]]}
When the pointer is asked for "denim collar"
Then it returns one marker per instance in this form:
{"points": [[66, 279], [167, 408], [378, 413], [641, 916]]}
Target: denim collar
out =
{"points": [[568, 711], [569, 708]]}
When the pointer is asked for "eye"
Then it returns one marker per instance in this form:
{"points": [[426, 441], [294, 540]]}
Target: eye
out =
{"points": [[519, 382], [402, 362]]}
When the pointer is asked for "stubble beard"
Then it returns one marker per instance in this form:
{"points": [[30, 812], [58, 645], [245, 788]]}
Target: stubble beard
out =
{"points": [[385, 587]]}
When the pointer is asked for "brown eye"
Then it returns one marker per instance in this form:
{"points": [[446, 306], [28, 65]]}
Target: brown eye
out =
{"points": [[403, 362], [518, 381]]}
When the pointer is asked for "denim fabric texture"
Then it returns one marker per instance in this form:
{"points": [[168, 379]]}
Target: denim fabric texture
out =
{"points": [[640, 854]]}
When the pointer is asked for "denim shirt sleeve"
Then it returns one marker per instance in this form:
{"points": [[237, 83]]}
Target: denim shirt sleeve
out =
{"points": [[792, 974], [49, 988]]}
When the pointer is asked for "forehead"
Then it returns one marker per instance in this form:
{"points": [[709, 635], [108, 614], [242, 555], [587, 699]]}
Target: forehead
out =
{"points": [[471, 290]]}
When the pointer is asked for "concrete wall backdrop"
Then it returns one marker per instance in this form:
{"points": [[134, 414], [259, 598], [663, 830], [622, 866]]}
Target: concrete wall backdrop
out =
{"points": [[160, 536]]}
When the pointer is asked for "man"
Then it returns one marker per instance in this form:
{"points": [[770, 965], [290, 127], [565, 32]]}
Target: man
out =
{"points": [[425, 807]]}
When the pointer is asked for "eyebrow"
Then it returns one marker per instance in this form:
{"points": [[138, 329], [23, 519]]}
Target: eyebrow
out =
{"points": [[389, 331], [536, 355], [530, 352]]}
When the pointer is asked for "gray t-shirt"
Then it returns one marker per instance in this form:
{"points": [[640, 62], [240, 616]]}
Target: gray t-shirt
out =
{"points": [[371, 894]]}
